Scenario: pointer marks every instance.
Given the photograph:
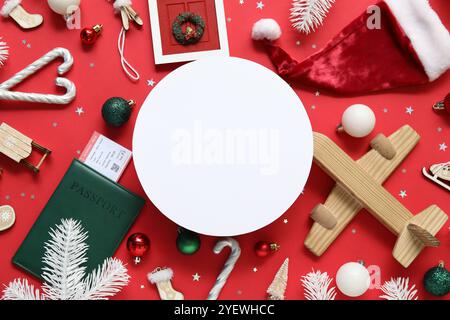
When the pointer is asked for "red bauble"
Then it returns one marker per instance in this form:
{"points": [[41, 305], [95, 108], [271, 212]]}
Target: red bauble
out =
{"points": [[138, 244], [89, 35], [263, 248]]}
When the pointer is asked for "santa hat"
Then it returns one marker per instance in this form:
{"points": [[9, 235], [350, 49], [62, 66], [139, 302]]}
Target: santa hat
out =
{"points": [[411, 47]]}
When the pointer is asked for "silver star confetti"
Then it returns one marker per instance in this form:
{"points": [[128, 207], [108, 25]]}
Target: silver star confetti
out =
{"points": [[409, 110], [442, 146], [79, 111], [259, 5], [196, 277], [402, 194]]}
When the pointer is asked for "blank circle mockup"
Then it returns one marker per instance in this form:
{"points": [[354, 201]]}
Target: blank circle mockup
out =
{"points": [[222, 146]]}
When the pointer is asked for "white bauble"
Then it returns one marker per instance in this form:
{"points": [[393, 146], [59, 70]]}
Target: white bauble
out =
{"points": [[64, 7], [358, 120], [353, 279]]}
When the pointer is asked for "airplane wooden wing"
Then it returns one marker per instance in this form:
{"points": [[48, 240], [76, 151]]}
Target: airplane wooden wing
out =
{"points": [[343, 206]]}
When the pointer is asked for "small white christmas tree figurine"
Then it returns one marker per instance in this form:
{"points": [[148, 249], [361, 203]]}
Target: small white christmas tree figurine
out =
{"points": [[3, 52], [278, 286], [307, 15], [64, 271], [398, 289], [317, 285]]}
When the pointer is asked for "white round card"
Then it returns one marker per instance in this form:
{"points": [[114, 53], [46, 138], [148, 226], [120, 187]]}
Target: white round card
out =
{"points": [[223, 146]]}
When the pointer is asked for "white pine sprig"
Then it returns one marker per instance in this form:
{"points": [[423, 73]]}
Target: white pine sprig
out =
{"points": [[307, 15], [65, 258], [398, 289], [317, 285], [20, 289], [4, 52], [106, 281], [64, 270]]}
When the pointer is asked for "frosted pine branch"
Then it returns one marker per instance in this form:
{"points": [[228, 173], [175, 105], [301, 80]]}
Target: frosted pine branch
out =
{"points": [[398, 289], [105, 281], [4, 52], [307, 15], [317, 285], [20, 289], [64, 259], [64, 270]]}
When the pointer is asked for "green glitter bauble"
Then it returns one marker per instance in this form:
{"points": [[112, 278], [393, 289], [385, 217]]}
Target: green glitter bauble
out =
{"points": [[190, 35], [437, 281], [116, 111], [188, 242]]}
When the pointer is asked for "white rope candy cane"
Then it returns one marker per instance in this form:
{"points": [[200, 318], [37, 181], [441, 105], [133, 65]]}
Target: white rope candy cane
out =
{"points": [[228, 267], [70, 94]]}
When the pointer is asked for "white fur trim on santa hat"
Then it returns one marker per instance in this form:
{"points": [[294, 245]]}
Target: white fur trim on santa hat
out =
{"points": [[266, 29], [9, 6], [429, 37], [165, 274], [121, 3]]}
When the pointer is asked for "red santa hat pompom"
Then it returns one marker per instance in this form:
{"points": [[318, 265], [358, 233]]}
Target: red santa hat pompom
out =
{"points": [[410, 46]]}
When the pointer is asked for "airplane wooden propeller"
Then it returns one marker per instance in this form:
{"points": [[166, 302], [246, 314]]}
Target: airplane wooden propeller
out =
{"points": [[359, 186]]}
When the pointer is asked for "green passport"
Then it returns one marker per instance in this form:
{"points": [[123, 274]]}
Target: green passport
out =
{"points": [[106, 210]]}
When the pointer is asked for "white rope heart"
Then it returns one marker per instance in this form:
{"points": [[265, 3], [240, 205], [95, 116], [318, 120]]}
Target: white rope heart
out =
{"points": [[70, 94]]}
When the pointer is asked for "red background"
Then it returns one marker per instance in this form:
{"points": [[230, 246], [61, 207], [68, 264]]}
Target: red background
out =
{"points": [[98, 76]]}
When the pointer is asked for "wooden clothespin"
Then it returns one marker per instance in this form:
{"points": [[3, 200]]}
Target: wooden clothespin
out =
{"points": [[13, 9], [19, 147], [127, 13]]}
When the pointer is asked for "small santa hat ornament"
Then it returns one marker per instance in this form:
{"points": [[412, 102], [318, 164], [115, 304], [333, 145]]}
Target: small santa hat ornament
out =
{"points": [[410, 46]]}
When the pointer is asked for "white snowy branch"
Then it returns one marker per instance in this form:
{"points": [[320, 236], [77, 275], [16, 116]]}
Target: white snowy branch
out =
{"points": [[398, 289], [317, 285], [106, 281], [20, 289], [307, 15], [64, 270], [64, 259]]}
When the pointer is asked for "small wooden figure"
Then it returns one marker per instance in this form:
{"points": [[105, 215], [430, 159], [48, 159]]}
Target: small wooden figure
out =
{"points": [[359, 186], [19, 147]]}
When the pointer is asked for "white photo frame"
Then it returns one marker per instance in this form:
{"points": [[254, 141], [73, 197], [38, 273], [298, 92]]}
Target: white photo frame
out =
{"points": [[161, 58]]}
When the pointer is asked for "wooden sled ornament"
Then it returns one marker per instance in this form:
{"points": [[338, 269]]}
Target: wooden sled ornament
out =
{"points": [[440, 174], [359, 186], [19, 147]]}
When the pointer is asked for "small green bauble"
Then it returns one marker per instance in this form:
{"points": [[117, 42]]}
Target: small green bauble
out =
{"points": [[188, 242], [437, 281], [116, 111]]}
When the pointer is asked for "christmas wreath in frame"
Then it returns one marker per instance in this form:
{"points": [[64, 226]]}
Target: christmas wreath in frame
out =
{"points": [[192, 33]]}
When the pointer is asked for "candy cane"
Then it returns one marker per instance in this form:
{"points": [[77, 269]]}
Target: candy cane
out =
{"points": [[228, 267], [5, 94]]}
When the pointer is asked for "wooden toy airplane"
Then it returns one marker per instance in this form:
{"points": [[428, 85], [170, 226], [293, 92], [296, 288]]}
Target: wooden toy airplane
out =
{"points": [[359, 186], [18, 147]]}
